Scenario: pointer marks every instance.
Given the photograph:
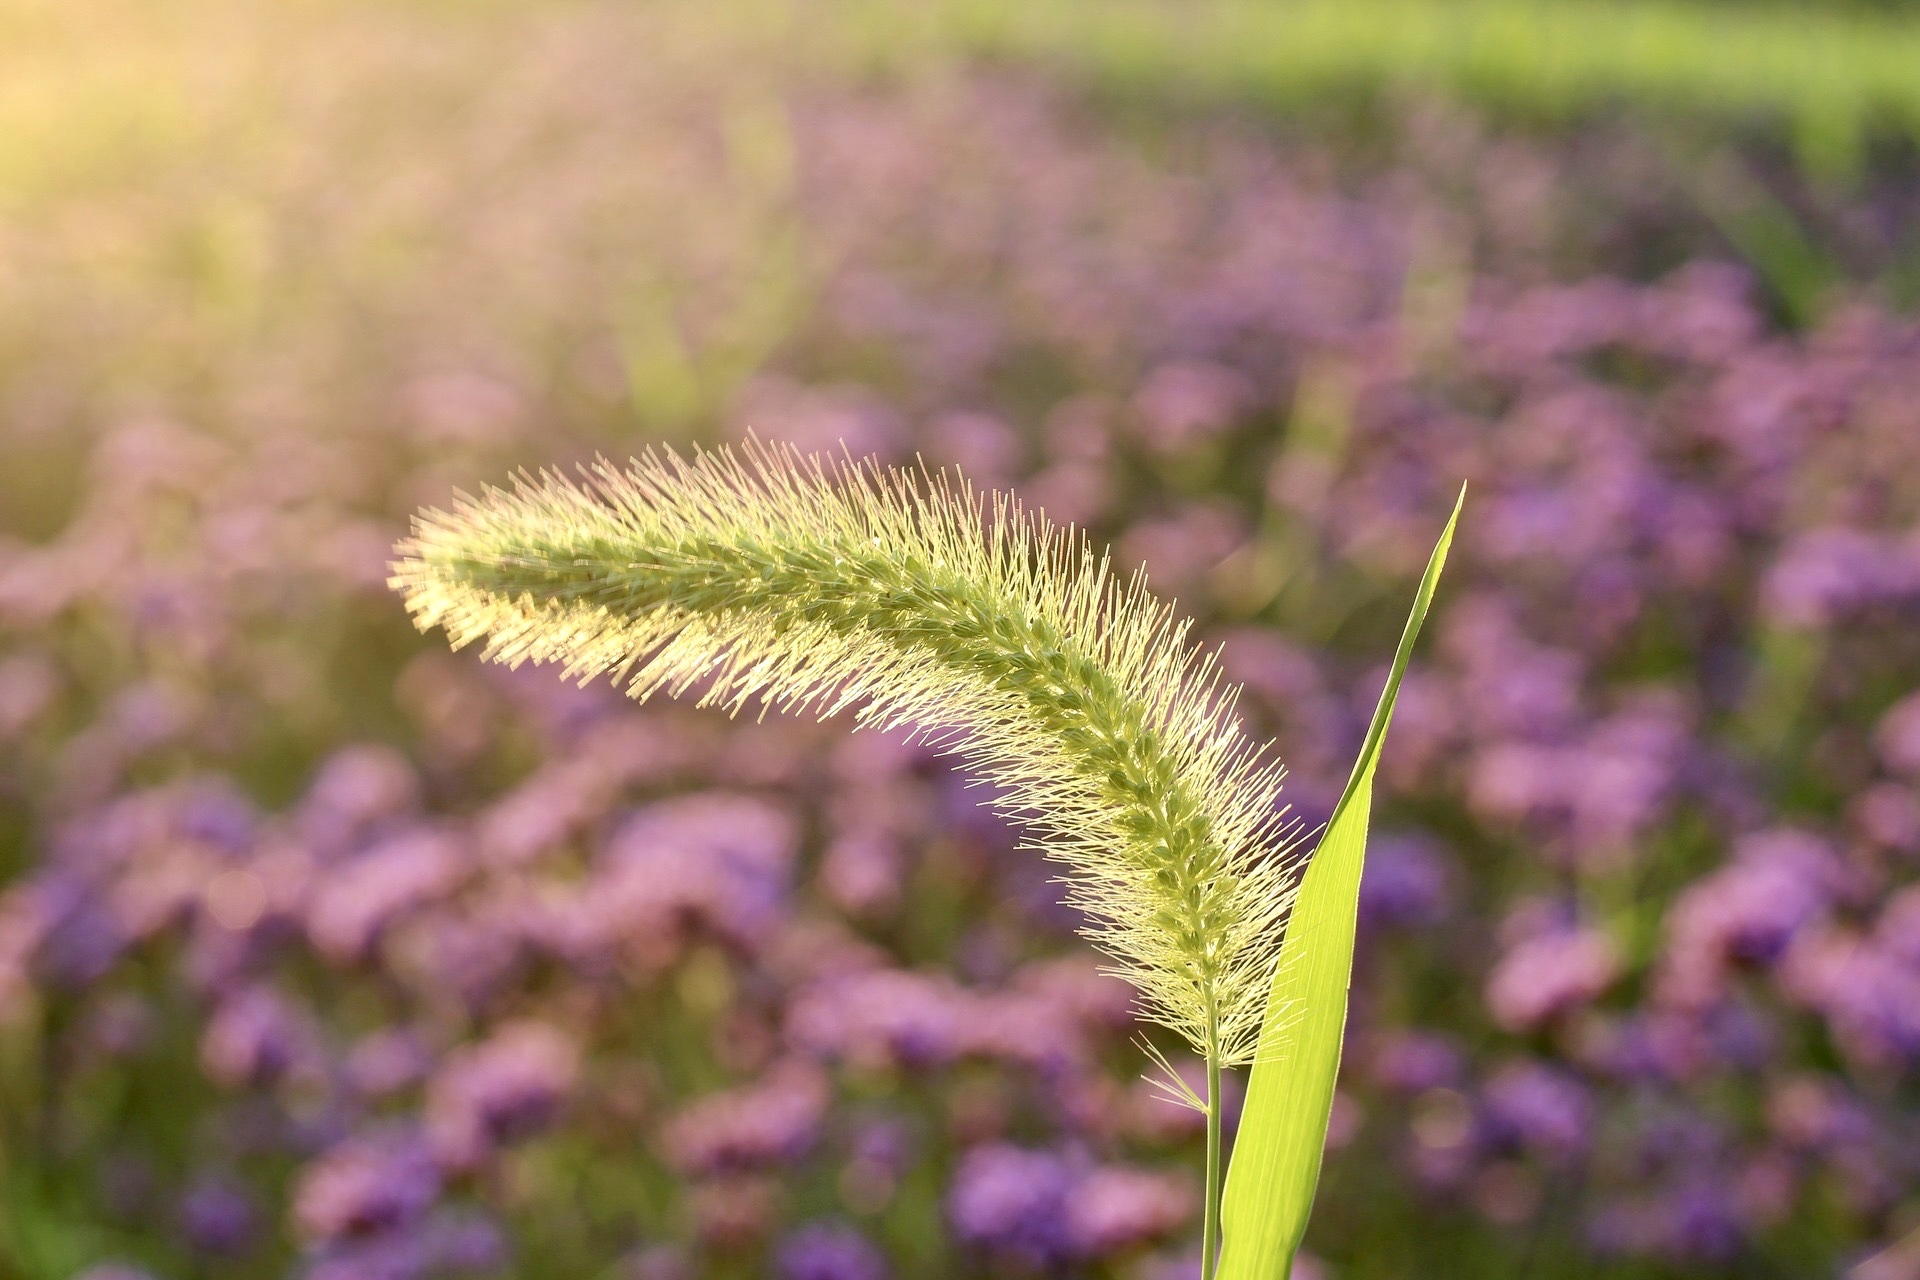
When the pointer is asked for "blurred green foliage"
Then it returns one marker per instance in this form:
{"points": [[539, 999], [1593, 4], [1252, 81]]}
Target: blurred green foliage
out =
{"points": [[1832, 74]]}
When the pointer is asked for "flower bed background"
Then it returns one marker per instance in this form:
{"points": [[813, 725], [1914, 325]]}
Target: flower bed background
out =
{"points": [[324, 952]]}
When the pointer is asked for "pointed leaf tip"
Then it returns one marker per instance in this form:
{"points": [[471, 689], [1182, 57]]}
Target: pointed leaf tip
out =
{"points": [[1283, 1127]]}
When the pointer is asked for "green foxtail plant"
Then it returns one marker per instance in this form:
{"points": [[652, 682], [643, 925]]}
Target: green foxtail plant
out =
{"points": [[907, 600]]}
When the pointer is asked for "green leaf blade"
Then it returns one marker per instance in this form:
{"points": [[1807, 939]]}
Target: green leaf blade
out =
{"points": [[1283, 1128]]}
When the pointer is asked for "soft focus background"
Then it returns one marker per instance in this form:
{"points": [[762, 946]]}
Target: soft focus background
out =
{"points": [[326, 953]]}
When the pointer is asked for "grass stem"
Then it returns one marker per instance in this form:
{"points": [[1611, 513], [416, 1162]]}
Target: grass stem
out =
{"points": [[1210, 1214]]}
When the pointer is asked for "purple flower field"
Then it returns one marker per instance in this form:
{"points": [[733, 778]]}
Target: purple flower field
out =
{"points": [[327, 953]]}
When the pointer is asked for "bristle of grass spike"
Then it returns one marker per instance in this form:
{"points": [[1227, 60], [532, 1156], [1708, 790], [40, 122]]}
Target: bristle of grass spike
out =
{"points": [[907, 599]]}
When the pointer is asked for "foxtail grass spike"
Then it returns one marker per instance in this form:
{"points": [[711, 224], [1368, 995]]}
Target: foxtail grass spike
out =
{"points": [[908, 600]]}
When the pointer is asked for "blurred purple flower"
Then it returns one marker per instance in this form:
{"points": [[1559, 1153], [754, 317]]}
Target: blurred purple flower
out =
{"points": [[720, 859], [1413, 1061], [772, 1122], [1114, 1210], [1741, 1036], [462, 405], [549, 808], [387, 1061], [256, 1037], [1182, 549], [824, 1251], [656, 1262], [1897, 932], [218, 1218], [464, 1242], [1012, 1201], [1539, 1108], [358, 787], [862, 871], [357, 899], [1812, 1113], [444, 1244], [1513, 686], [211, 810], [1597, 791], [373, 1182], [75, 936], [29, 686], [882, 1016], [734, 1211], [1406, 883], [986, 450], [1825, 575], [880, 1153], [468, 953], [849, 418], [1888, 815], [500, 1090], [1189, 402], [1747, 912], [1898, 738], [1549, 974], [1702, 1221], [1870, 996]]}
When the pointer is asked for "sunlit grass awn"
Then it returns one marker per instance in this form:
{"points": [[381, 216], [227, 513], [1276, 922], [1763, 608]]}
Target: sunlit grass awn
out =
{"points": [[908, 601]]}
